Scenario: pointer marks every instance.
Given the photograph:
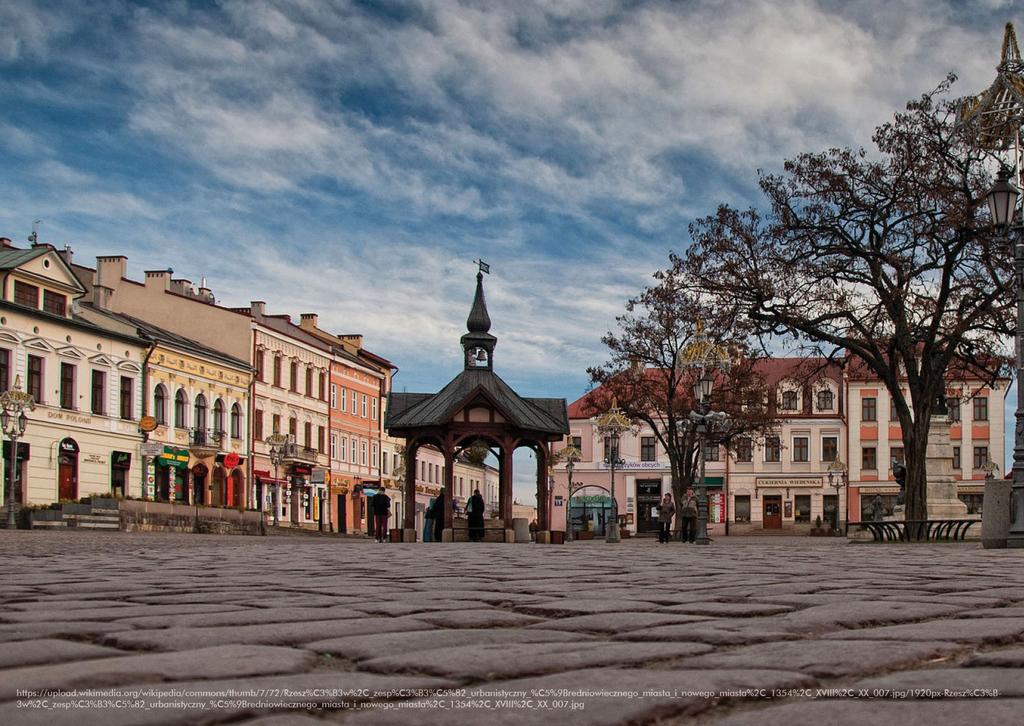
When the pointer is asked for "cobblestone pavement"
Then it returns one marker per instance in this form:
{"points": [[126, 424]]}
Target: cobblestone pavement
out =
{"points": [[171, 628]]}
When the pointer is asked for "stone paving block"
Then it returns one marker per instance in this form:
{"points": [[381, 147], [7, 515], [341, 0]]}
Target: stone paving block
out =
{"points": [[294, 633], [599, 710], [857, 613], [987, 630], [490, 661], [51, 650], [716, 632], [617, 622], [1004, 658], [859, 713], [33, 631], [100, 614], [729, 609], [372, 646], [62, 604], [974, 683], [826, 658], [216, 662], [493, 618], [570, 606], [247, 616]]}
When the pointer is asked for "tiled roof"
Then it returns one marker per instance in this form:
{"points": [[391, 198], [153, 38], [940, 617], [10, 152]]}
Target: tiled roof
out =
{"points": [[11, 257]]}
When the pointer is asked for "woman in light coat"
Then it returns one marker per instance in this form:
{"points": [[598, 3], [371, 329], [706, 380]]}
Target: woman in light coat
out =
{"points": [[666, 510]]}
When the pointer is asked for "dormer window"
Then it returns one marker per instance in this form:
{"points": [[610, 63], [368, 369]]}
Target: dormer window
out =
{"points": [[826, 400], [25, 294], [55, 303], [790, 400]]}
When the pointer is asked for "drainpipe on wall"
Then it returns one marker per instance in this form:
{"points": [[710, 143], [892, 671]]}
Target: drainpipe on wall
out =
{"points": [[145, 407], [249, 426]]}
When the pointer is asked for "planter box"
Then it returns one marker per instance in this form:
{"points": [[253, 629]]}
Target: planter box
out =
{"points": [[585, 534]]}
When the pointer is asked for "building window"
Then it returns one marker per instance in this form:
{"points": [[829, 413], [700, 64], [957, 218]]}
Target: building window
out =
{"points": [[647, 448], [344, 401], [343, 449], [218, 415], [293, 429], [826, 400], [257, 424], [275, 422], [277, 371], [981, 408], [577, 443], [956, 457], [423, 471], [293, 377], [307, 434], [744, 449], [127, 402], [868, 458], [320, 435], [364, 406], [180, 408], [374, 453], [309, 382], [972, 500], [710, 451], [802, 508], [384, 463], [334, 396], [55, 303], [334, 446], [898, 454], [772, 449], [829, 448], [67, 386], [869, 409], [259, 365], [199, 413], [801, 448], [373, 409], [741, 508], [35, 377], [790, 400], [893, 416], [355, 403], [160, 404], [323, 386], [5, 369], [99, 392], [25, 294], [953, 405], [980, 457], [236, 421], [353, 449]]}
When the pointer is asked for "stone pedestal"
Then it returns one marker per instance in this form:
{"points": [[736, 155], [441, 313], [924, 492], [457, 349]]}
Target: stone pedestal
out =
{"points": [[995, 514], [510, 536], [447, 534], [543, 537], [521, 526], [408, 535], [943, 502]]}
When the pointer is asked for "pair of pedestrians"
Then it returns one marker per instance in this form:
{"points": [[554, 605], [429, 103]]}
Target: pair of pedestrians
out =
{"points": [[687, 513]]}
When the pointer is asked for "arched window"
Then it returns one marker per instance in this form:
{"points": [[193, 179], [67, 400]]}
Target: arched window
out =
{"points": [[236, 421], [199, 422], [160, 404], [180, 406], [218, 415]]}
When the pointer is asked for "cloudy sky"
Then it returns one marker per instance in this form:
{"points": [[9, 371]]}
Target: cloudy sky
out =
{"points": [[353, 157]]}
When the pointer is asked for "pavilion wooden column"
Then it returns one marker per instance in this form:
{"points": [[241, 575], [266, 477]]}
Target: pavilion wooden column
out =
{"points": [[409, 493], [505, 483], [543, 488], [449, 484]]}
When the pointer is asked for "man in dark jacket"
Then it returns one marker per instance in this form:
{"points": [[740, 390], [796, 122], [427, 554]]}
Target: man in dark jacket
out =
{"points": [[439, 516], [381, 506]]}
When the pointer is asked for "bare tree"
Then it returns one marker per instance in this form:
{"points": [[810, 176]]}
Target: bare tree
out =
{"points": [[882, 259], [646, 376]]}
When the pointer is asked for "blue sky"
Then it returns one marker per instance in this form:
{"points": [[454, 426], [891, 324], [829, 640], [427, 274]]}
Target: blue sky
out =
{"points": [[353, 158]]}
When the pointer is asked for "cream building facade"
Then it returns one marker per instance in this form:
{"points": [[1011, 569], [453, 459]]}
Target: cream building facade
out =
{"points": [[82, 438]]}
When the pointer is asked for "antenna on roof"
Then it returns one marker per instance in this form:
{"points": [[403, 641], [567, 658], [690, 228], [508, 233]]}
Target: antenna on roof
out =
{"points": [[34, 236]]}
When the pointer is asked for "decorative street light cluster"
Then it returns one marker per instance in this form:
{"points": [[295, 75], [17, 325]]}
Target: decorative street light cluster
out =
{"points": [[613, 424], [703, 356], [277, 443], [570, 454], [838, 477], [13, 404]]}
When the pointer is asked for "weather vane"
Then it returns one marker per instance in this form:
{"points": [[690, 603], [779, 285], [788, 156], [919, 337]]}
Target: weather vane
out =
{"points": [[484, 267]]}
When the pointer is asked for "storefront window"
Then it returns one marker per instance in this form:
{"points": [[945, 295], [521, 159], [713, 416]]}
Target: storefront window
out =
{"points": [[802, 507], [742, 508]]}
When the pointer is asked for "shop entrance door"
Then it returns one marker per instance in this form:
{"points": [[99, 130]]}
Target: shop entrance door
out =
{"points": [[68, 477], [342, 515], [648, 496], [772, 516]]}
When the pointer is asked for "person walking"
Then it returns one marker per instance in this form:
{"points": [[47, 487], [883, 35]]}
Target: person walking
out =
{"points": [[381, 505], [439, 516], [475, 514], [666, 511], [428, 521], [688, 513]]}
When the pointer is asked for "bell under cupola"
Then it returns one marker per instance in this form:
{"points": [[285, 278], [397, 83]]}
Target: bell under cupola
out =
{"points": [[478, 344]]}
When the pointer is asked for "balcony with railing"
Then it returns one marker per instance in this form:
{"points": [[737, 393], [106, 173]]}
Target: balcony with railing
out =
{"points": [[205, 441], [292, 452]]}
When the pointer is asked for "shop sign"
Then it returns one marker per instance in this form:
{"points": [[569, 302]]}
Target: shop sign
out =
{"points": [[636, 465], [301, 469], [93, 459], [152, 448], [318, 477], [591, 499], [231, 460], [120, 460], [558, 501], [68, 446], [147, 424], [788, 483], [173, 456]]}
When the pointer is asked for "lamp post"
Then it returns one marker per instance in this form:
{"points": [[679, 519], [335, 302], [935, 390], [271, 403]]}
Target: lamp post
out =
{"points": [[13, 404], [571, 455], [277, 442], [613, 424], [1002, 203], [837, 477], [704, 420]]}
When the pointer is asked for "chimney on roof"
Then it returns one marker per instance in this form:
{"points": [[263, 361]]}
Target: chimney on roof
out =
{"points": [[183, 287], [206, 294], [307, 321], [5, 242], [354, 340], [66, 254], [111, 270], [257, 308], [101, 297], [159, 279]]}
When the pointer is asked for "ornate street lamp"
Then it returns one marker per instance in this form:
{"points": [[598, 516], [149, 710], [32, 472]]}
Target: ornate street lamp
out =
{"points": [[277, 442], [570, 454], [838, 477], [13, 404], [1002, 202], [613, 424]]}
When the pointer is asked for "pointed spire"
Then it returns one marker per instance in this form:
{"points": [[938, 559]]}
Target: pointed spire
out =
{"points": [[1010, 57], [479, 321]]}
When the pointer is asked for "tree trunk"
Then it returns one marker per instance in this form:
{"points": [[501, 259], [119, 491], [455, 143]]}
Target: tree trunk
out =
{"points": [[915, 447]]}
